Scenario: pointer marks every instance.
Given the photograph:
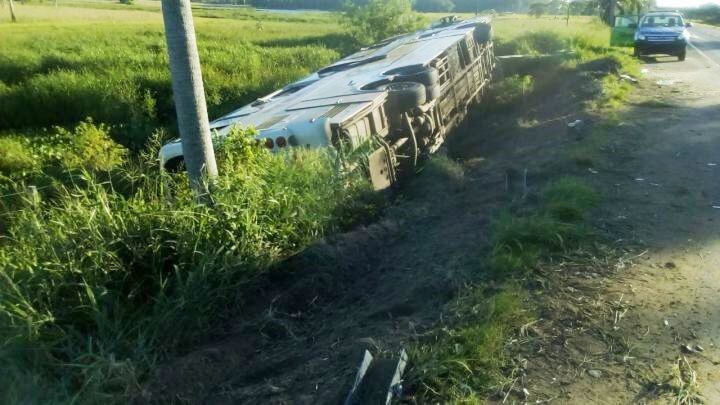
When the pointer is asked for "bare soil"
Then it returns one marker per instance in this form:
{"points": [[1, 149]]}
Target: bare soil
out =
{"points": [[601, 336], [641, 324]]}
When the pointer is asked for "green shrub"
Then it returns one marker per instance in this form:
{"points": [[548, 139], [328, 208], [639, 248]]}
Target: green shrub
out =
{"points": [[16, 157], [90, 147], [375, 20]]}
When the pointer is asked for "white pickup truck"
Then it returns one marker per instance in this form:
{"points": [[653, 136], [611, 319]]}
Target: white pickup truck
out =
{"points": [[402, 96]]}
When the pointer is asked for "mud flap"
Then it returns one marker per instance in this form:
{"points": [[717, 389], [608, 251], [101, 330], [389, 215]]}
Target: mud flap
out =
{"points": [[381, 169]]}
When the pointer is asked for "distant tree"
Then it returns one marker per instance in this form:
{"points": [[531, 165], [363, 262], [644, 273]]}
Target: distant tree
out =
{"points": [[584, 7], [709, 13], [608, 8], [459, 5], [607, 11], [126, 1], [380, 19], [434, 6], [555, 7], [538, 9], [632, 6]]}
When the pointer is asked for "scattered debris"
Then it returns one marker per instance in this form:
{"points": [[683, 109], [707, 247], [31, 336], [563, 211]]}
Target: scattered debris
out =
{"points": [[628, 78], [670, 265], [666, 323], [525, 393], [593, 171], [699, 348], [362, 370], [595, 373], [639, 179], [687, 349], [712, 164], [395, 389], [371, 379], [575, 124], [666, 82], [576, 127]]}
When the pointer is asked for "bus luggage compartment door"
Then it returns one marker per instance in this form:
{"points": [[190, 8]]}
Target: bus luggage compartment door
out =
{"points": [[381, 169]]}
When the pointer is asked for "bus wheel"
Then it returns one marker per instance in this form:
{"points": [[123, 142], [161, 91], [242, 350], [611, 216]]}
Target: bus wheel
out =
{"points": [[405, 96]]}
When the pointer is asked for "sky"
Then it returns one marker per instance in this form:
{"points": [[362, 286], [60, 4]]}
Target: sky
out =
{"points": [[684, 3]]}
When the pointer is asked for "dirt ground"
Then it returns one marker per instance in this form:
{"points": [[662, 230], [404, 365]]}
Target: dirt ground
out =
{"points": [[611, 328], [619, 335]]}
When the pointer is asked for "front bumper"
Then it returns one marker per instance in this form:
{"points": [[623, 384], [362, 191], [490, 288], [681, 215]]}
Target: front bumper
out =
{"points": [[664, 47]]}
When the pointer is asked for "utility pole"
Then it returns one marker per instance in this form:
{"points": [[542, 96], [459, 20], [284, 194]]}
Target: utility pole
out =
{"points": [[189, 94], [12, 11]]}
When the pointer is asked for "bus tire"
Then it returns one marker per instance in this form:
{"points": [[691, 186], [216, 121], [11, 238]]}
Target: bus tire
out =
{"points": [[483, 33], [426, 76], [404, 96]]}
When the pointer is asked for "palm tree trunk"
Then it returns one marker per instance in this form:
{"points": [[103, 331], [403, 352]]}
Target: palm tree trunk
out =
{"points": [[12, 11], [189, 94], [610, 12]]}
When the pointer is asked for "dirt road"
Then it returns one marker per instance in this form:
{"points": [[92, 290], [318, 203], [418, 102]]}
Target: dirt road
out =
{"points": [[676, 212], [652, 333]]}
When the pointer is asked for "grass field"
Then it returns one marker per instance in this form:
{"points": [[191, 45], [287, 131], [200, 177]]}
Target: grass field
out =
{"points": [[65, 64], [110, 266]]}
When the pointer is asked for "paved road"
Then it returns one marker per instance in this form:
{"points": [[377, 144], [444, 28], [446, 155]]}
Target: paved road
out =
{"points": [[706, 43]]}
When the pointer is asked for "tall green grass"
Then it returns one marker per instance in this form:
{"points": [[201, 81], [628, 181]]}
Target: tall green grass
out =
{"points": [[467, 357], [95, 284], [520, 242], [552, 50], [106, 264]]}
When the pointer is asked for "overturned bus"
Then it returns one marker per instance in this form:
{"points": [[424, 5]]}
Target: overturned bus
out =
{"points": [[401, 97]]}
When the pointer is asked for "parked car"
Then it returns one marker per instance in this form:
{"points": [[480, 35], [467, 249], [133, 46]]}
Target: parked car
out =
{"points": [[401, 97], [662, 32]]}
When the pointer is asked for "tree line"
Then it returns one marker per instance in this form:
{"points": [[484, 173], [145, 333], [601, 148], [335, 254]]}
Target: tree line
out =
{"points": [[588, 7], [418, 5]]}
